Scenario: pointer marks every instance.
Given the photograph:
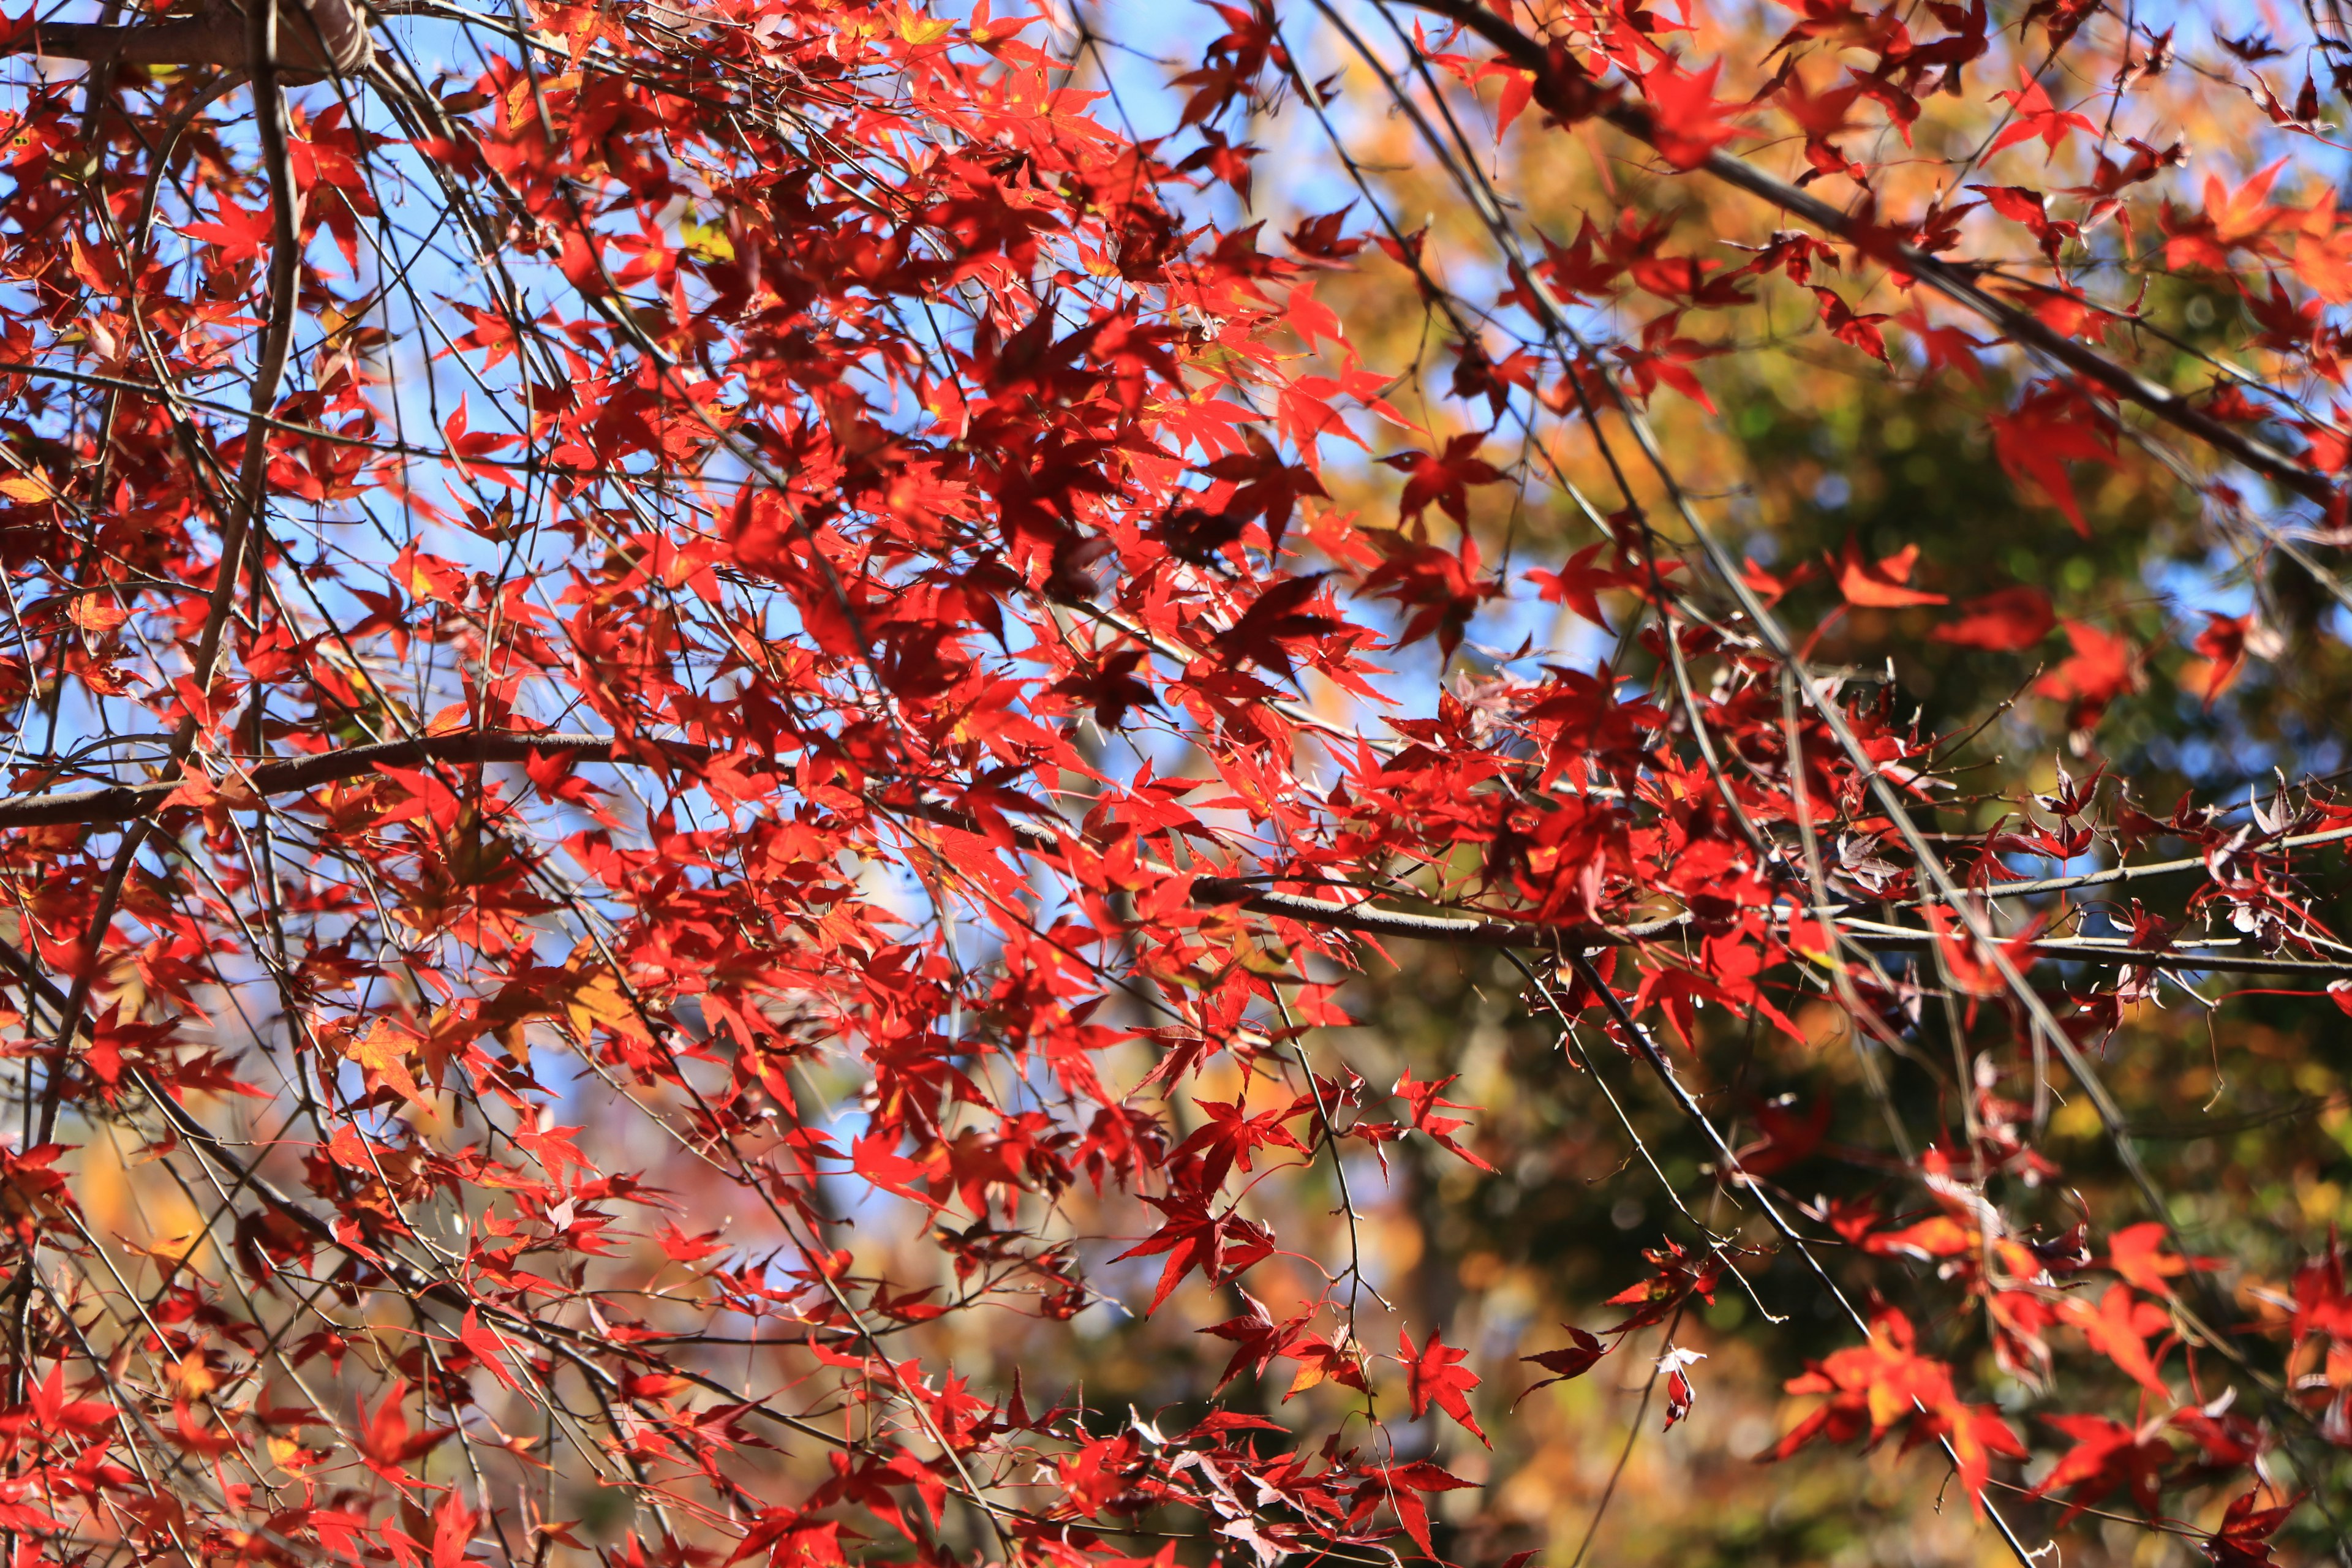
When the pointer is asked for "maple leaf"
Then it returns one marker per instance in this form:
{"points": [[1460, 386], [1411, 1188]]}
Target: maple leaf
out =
{"points": [[1268, 488], [1881, 586], [2036, 116], [2102, 667], [468, 448], [1320, 1359], [1674, 1367], [2221, 648], [1976, 1433], [2106, 1455], [1444, 478], [2118, 1328], [1675, 1278], [1229, 1135], [2029, 207], [1274, 620], [1873, 1388], [1773, 588], [2048, 430], [2230, 219], [236, 235], [452, 1531], [1434, 1375], [2003, 621], [553, 1148], [1256, 1338], [1686, 122], [876, 1157], [1402, 1485], [387, 1443], [1321, 238], [1973, 972], [1442, 589], [1578, 582], [383, 1053], [2243, 1540], [1822, 117], [1944, 346], [1858, 331], [1219, 1246], [1422, 1100], [487, 1348], [1787, 1139], [1112, 689], [49, 1406], [794, 1537], [2136, 1252], [1572, 1360]]}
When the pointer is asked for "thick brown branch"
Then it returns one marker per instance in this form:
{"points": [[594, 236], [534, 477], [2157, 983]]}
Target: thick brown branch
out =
{"points": [[127, 802], [1394, 924], [321, 38]]}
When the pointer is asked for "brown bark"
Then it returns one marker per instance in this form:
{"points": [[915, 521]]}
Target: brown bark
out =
{"points": [[315, 39]]}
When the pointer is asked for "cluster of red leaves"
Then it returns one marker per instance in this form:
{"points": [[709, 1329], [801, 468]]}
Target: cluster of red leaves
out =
{"points": [[748, 715]]}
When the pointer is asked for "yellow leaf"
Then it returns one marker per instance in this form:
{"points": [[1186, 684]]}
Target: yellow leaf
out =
{"points": [[918, 29], [26, 487], [708, 241], [191, 1376]]}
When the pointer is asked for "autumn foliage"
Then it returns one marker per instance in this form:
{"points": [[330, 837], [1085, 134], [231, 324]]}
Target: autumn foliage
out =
{"points": [[798, 782]]}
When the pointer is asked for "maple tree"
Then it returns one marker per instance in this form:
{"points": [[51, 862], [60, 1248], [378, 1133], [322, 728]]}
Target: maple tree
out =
{"points": [[797, 781]]}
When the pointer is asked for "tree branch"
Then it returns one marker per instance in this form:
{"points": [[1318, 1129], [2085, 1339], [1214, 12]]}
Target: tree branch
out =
{"points": [[1507, 934], [316, 38], [128, 802]]}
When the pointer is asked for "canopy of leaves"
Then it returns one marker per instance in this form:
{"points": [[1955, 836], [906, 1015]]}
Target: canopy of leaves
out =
{"points": [[805, 781]]}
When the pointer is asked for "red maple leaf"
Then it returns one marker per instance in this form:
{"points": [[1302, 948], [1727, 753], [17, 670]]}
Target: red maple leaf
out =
{"points": [[1423, 1099], [2036, 116], [1858, 331], [1572, 1360], [387, 1443], [1578, 582], [1441, 588], [1873, 1388], [2051, 428], [1686, 121], [2243, 1540], [1882, 585], [2102, 667], [1229, 1135], [1675, 1366], [2136, 1252], [236, 235], [1434, 1375], [2106, 1455], [1944, 346], [2221, 648], [1218, 1245], [468, 447], [2002, 621], [1444, 478], [1256, 1338], [1400, 1486], [1274, 620], [2117, 1328]]}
